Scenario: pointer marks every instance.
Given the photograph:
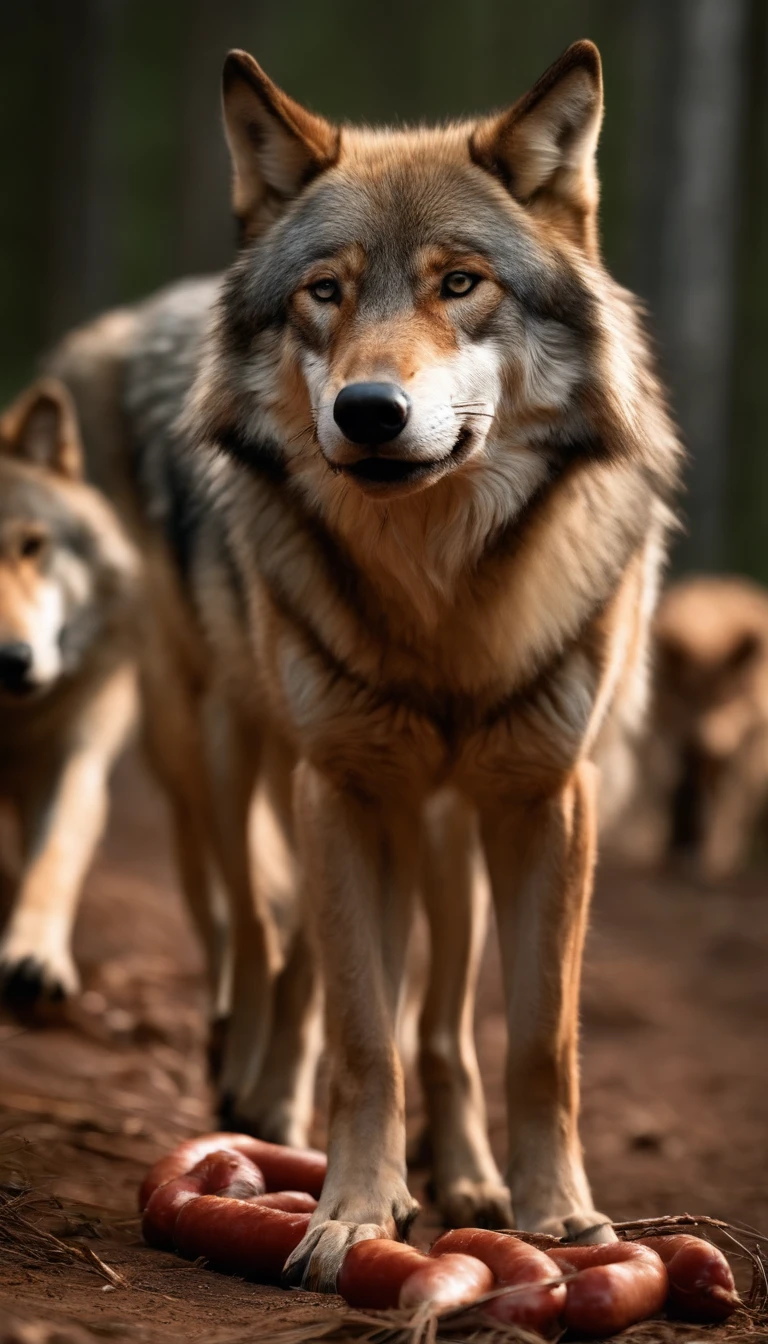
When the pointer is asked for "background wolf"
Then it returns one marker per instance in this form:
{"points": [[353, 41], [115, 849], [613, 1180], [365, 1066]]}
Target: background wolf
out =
{"points": [[68, 597], [701, 790], [416, 549]]}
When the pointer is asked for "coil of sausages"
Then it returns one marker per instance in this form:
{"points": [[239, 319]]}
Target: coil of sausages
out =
{"points": [[224, 1197]]}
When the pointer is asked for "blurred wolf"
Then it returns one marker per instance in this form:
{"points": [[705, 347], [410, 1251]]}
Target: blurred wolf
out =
{"points": [[406, 533], [702, 791], [67, 682]]}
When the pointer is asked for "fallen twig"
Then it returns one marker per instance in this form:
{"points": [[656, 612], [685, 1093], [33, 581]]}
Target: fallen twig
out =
{"points": [[21, 1234]]}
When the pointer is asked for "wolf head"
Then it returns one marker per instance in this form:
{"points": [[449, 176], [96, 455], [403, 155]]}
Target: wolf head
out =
{"points": [[59, 557], [422, 310]]}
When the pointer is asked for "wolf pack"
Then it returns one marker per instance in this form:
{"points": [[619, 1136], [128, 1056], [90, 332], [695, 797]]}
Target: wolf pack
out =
{"points": [[365, 539]]}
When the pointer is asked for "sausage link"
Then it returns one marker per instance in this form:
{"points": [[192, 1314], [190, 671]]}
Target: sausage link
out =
{"points": [[239, 1236], [615, 1286], [290, 1201], [517, 1265], [373, 1272], [450, 1280], [701, 1286], [160, 1213], [283, 1168], [219, 1173], [381, 1274]]}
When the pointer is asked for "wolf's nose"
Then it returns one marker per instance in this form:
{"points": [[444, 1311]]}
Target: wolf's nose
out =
{"points": [[15, 665], [371, 413]]}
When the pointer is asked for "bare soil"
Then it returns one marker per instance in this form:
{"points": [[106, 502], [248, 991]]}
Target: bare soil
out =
{"points": [[675, 1103]]}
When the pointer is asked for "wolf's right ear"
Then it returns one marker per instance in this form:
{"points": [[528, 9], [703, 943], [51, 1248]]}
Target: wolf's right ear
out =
{"points": [[275, 144], [40, 427]]}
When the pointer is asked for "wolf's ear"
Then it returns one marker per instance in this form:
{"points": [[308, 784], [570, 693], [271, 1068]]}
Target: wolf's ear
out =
{"points": [[544, 147], [275, 144], [40, 427]]}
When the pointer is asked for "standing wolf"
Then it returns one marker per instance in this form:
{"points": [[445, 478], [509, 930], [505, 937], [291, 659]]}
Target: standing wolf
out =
{"points": [[420, 530], [68, 597]]}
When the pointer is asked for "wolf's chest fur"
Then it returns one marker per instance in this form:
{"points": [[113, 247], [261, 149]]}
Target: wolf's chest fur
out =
{"points": [[501, 685]]}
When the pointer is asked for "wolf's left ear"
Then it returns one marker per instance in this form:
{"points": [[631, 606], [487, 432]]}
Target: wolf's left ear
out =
{"points": [[40, 427], [276, 145], [544, 147]]}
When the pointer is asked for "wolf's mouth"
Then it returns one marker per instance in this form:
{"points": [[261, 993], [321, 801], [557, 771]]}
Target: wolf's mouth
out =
{"points": [[402, 471]]}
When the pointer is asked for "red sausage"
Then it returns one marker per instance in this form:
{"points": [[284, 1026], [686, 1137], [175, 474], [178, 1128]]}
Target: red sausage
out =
{"points": [[160, 1214], [381, 1274], [518, 1265], [374, 1272], [283, 1168], [238, 1236], [701, 1286], [446, 1281], [615, 1286], [220, 1173], [290, 1201]]}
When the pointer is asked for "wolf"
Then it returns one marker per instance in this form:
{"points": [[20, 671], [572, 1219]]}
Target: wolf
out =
{"points": [[405, 475], [68, 597], [702, 790]]}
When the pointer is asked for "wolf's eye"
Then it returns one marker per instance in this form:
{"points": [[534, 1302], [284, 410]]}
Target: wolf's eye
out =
{"points": [[31, 545], [458, 283], [325, 291]]}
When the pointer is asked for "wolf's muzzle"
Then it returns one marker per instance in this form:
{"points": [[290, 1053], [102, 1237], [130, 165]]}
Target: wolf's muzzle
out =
{"points": [[15, 667], [371, 413]]}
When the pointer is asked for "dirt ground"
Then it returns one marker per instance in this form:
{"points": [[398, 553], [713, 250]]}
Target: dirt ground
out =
{"points": [[675, 1108]]}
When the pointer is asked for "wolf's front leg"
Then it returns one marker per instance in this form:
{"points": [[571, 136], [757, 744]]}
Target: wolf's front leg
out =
{"points": [[63, 813], [541, 860], [359, 869]]}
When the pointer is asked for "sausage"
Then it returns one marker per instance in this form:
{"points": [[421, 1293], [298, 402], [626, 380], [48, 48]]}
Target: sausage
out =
{"points": [[615, 1286], [160, 1214], [283, 1168], [239, 1236], [381, 1274], [290, 1201], [374, 1272], [220, 1173], [518, 1265], [446, 1281], [701, 1285]]}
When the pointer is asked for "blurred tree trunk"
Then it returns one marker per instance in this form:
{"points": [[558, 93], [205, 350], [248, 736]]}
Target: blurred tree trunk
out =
{"points": [[83, 36], [747, 549], [690, 59], [206, 229]]}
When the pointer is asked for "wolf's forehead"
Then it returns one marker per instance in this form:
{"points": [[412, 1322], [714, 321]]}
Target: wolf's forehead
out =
{"points": [[24, 497], [389, 214], [395, 209]]}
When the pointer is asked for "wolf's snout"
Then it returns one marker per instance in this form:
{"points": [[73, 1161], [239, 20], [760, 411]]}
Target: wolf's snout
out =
{"points": [[15, 666], [371, 413]]}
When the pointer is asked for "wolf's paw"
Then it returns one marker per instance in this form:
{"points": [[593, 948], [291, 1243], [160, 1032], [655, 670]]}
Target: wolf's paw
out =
{"points": [[587, 1228], [316, 1262], [468, 1203], [29, 980]]}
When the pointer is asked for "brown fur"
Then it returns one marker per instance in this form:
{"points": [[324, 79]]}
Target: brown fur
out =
{"points": [[442, 656]]}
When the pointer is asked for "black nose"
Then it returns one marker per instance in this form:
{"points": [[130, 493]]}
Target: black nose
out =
{"points": [[371, 413], [15, 666]]}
